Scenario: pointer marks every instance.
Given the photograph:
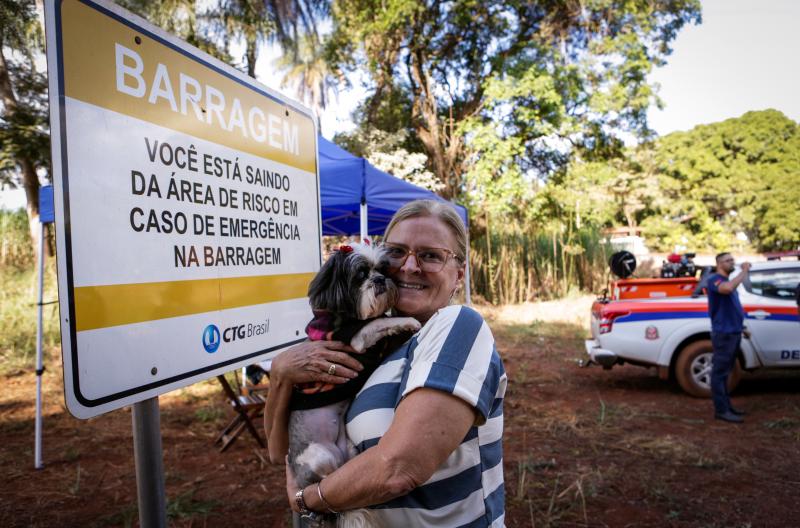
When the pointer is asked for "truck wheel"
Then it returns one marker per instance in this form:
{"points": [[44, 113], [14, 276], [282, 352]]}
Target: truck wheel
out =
{"points": [[693, 370]]}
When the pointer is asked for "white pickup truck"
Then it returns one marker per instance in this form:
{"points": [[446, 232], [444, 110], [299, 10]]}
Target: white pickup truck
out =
{"points": [[673, 333]]}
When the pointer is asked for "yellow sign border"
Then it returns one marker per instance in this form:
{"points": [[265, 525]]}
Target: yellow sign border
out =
{"points": [[122, 304]]}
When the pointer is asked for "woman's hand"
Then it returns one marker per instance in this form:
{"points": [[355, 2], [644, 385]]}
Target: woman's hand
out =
{"points": [[311, 361], [305, 362]]}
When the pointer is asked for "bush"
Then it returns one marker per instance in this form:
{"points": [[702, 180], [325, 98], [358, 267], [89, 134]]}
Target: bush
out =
{"points": [[16, 250]]}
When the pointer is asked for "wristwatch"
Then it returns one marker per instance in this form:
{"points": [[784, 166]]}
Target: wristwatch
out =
{"points": [[301, 503]]}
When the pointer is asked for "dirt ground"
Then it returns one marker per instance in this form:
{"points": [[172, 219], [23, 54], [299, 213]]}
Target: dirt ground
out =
{"points": [[583, 447]]}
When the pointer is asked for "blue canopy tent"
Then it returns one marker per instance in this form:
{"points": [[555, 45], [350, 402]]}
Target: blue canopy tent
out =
{"points": [[357, 198], [349, 183]]}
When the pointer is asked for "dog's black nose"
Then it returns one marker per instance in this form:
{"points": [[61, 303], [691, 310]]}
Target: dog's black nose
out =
{"points": [[379, 279]]}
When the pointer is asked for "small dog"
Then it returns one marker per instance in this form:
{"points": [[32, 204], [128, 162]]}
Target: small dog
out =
{"points": [[350, 297]]}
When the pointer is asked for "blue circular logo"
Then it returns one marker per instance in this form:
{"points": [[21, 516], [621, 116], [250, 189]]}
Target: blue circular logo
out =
{"points": [[211, 338]]}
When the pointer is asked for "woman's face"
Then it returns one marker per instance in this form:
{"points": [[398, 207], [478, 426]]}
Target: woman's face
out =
{"points": [[422, 293]]}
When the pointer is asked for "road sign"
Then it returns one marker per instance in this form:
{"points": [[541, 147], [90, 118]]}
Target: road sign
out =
{"points": [[187, 209]]}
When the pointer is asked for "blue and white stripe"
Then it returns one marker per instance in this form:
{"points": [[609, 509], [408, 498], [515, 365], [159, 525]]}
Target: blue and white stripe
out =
{"points": [[454, 352]]}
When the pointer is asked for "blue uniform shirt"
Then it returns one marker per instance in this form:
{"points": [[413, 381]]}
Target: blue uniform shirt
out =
{"points": [[727, 315]]}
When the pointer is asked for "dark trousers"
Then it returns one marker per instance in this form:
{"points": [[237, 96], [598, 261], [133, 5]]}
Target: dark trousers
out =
{"points": [[722, 363]]}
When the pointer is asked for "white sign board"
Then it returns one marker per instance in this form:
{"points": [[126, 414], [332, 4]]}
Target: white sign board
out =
{"points": [[187, 209]]}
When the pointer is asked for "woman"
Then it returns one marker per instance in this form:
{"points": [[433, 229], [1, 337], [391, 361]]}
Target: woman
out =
{"points": [[428, 423]]}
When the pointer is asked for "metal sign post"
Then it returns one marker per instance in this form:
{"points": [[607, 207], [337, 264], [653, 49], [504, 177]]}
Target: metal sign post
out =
{"points": [[149, 464]]}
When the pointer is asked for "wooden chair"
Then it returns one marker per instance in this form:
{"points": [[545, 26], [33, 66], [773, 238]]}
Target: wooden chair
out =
{"points": [[248, 403]]}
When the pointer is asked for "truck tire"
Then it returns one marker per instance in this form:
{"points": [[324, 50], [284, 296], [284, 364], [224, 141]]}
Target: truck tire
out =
{"points": [[693, 369]]}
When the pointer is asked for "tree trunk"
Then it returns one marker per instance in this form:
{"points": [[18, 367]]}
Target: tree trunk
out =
{"points": [[443, 154], [30, 181], [252, 55], [630, 219]]}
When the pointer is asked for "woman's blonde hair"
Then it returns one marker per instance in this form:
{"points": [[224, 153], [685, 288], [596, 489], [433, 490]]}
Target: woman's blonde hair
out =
{"points": [[441, 210]]}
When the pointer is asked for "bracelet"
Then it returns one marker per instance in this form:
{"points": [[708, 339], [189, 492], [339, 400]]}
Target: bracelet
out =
{"points": [[301, 502], [322, 499]]}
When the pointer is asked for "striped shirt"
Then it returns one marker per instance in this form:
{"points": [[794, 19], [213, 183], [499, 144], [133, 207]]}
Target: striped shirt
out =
{"points": [[454, 352]]}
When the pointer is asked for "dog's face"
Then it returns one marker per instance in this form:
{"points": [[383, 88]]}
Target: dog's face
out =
{"points": [[352, 282]]}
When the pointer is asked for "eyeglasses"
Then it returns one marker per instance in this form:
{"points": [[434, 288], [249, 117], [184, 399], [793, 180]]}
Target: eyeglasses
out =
{"points": [[429, 260]]}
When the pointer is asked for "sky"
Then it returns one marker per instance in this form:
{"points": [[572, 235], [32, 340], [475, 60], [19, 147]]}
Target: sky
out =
{"points": [[744, 56]]}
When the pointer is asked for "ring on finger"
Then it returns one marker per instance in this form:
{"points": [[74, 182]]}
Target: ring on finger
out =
{"points": [[332, 369]]}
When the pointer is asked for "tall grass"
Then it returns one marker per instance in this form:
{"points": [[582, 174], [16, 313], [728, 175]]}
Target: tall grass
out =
{"points": [[19, 295], [515, 266], [16, 250]]}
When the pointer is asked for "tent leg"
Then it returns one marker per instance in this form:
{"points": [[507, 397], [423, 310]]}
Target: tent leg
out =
{"points": [[467, 282], [37, 463], [364, 217]]}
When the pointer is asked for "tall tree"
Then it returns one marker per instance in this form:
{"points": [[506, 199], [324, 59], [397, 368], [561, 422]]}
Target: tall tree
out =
{"points": [[741, 175], [182, 19], [310, 74], [256, 22], [247, 20], [531, 80], [23, 121]]}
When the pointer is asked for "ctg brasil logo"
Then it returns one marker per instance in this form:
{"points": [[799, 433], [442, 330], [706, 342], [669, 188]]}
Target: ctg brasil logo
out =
{"points": [[211, 338]]}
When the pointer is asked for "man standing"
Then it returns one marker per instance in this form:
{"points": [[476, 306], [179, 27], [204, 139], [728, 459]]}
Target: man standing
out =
{"points": [[727, 323]]}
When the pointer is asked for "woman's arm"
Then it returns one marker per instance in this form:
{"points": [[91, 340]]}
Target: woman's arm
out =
{"points": [[276, 418], [416, 444], [302, 363]]}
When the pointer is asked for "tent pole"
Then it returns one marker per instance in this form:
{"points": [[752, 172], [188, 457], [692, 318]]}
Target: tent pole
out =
{"points": [[364, 217], [37, 462], [467, 285]]}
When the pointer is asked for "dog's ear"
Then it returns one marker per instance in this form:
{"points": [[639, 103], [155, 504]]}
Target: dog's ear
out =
{"points": [[329, 290]]}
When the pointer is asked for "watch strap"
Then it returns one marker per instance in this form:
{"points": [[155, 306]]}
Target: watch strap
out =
{"points": [[301, 502]]}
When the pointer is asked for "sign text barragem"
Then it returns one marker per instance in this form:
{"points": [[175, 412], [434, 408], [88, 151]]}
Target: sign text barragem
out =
{"points": [[187, 209], [206, 102]]}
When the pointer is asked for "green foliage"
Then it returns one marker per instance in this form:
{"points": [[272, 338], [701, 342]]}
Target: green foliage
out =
{"points": [[567, 195], [24, 133], [702, 189], [505, 96], [738, 176], [183, 19], [388, 116], [16, 252], [309, 72], [20, 29], [23, 117], [500, 92]]}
